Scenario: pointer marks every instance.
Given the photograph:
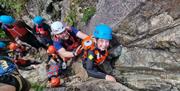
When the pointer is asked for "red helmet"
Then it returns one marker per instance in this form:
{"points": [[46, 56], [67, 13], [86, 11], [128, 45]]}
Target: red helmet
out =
{"points": [[13, 46], [51, 49], [55, 81]]}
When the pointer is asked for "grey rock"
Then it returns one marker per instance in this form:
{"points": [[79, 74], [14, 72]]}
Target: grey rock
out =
{"points": [[112, 13]]}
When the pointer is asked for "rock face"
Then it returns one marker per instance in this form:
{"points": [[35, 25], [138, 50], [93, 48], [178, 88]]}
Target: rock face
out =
{"points": [[112, 12], [146, 33], [93, 85]]}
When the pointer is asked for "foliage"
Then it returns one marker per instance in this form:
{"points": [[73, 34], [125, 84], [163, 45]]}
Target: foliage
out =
{"points": [[14, 5], [71, 18], [2, 34], [88, 13], [37, 87]]}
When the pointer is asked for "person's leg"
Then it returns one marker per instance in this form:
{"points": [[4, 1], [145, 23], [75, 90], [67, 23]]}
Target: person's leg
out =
{"points": [[79, 70], [106, 67], [6, 87]]}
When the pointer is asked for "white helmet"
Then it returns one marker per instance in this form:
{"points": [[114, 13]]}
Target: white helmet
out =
{"points": [[57, 27]]}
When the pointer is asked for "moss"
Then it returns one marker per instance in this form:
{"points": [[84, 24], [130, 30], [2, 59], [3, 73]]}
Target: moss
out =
{"points": [[15, 6], [37, 87], [88, 13]]}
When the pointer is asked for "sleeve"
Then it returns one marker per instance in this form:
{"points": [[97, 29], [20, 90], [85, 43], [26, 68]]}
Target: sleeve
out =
{"points": [[91, 69], [57, 45], [74, 30]]}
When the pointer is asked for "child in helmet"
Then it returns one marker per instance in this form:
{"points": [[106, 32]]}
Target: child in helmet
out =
{"points": [[42, 31], [95, 61], [54, 66]]}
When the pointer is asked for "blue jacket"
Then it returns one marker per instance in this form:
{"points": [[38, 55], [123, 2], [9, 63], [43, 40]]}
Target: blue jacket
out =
{"points": [[6, 66]]}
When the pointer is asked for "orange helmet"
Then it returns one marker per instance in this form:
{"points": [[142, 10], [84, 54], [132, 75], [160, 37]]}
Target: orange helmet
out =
{"points": [[13, 46], [51, 49], [55, 81]]}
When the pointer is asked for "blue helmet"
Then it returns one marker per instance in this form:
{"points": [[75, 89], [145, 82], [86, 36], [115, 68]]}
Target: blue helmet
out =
{"points": [[103, 31], [2, 45], [5, 19], [38, 20]]}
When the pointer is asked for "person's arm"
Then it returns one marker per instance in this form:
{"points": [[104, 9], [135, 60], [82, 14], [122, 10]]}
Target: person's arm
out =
{"points": [[81, 35], [91, 69], [63, 53], [61, 50], [78, 33]]}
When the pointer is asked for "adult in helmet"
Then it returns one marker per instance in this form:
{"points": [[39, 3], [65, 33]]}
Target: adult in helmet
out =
{"points": [[10, 78], [42, 30], [18, 30], [66, 39], [95, 61]]}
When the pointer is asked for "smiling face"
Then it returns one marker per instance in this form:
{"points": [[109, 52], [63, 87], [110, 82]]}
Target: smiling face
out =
{"points": [[64, 35], [102, 44]]}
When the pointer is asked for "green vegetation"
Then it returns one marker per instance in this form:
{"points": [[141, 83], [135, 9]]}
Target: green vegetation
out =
{"points": [[71, 18], [16, 6], [88, 13], [37, 87], [2, 34]]}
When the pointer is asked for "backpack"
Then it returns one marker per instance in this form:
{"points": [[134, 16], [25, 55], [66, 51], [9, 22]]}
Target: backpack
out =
{"points": [[6, 66]]}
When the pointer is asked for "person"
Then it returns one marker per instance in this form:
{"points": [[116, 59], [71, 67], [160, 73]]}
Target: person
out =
{"points": [[17, 52], [18, 30], [66, 40], [95, 53], [42, 31], [53, 66], [10, 78]]}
